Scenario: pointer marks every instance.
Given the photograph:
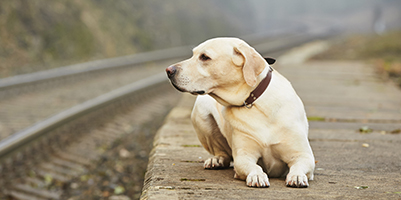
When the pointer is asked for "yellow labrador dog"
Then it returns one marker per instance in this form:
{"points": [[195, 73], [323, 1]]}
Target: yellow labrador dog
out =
{"points": [[246, 112]]}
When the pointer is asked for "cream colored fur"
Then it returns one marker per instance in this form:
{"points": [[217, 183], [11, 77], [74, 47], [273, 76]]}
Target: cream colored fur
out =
{"points": [[269, 139]]}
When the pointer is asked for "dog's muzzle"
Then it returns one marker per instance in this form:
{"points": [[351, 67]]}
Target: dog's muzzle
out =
{"points": [[171, 72]]}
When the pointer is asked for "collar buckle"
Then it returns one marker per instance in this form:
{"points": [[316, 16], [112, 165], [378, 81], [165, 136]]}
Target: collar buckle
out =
{"points": [[249, 106]]}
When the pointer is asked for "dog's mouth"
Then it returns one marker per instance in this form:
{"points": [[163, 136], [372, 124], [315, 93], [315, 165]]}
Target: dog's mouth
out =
{"points": [[178, 88], [196, 92]]}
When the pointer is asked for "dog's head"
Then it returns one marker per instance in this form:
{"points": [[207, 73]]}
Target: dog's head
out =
{"points": [[225, 68]]}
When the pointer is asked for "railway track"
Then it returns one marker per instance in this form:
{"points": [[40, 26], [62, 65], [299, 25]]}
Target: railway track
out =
{"points": [[57, 126]]}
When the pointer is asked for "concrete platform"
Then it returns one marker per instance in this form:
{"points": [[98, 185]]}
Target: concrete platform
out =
{"points": [[341, 97]]}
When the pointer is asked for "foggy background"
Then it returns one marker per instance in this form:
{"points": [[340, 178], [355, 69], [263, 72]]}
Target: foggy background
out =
{"points": [[41, 34]]}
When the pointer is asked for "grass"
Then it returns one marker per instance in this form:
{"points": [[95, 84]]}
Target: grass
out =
{"points": [[40, 34], [316, 118]]}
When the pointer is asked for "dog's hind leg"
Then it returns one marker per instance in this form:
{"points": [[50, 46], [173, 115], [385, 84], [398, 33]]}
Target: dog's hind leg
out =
{"points": [[204, 116]]}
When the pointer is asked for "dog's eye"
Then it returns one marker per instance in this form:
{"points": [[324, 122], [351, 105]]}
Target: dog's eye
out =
{"points": [[204, 57]]}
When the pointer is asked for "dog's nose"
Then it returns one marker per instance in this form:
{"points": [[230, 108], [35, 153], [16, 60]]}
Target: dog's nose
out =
{"points": [[171, 71]]}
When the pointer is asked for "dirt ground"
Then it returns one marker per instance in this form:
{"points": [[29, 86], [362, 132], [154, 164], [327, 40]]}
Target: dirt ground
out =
{"points": [[120, 172]]}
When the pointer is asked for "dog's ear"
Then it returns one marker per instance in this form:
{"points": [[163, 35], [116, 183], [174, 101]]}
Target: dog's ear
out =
{"points": [[270, 60], [252, 62]]}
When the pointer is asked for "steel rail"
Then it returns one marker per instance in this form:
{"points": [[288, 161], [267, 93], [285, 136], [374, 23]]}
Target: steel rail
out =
{"points": [[20, 138], [289, 41], [96, 65], [135, 59]]}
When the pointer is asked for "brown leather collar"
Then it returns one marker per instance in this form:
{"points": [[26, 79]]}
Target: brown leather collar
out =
{"points": [[258, 91]]}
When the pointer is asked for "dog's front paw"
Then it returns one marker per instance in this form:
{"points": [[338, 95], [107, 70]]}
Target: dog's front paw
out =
{"points": [[257, 180], [297, 181], [216, 162]]}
